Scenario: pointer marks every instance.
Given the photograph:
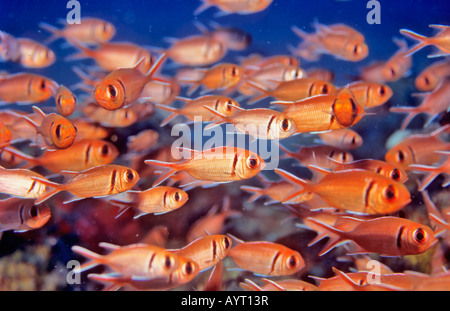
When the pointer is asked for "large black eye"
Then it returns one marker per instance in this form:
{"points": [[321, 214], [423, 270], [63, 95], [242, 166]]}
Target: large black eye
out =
{"points": [[356, 50], [228, 105], [188, 269], [227, 242], [177, 196], [392, 71], [105, 150], [168, 262], [395, 174], [325, 89], [419, 235], [34, 211], [234, 71], [129, 175], [43, 85], [285, 125], [112, 91], [292, 262], [426, 80], [58, 131], [382, 90], [389, 193], [400, 156], [252, 162]]}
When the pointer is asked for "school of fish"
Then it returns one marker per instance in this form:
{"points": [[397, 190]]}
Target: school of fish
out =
{"points": [[97, 159]]}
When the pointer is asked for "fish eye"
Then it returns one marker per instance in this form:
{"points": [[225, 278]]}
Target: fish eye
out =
{"points": [[382, 90], [234, 71], [188, 268], [344, 156], [58, 131], [168, 262], [356, 49], [392, 72], [353, 141], [105, 150], [395, 174], [129, 175], [177, 196], [389, 193], [285, 125], [426, 80], [226, 242], [112, 91], [228, 105], [400, 156], [252, 162], [292, 262], [34, 211], [419, 235], [43, 85], [325, 89]]}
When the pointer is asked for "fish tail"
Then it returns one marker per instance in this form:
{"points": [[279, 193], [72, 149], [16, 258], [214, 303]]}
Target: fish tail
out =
{"points": [[264, 91], [257, 192], [411, 113], [423, 41], [123, 206], [55, 32], [250, 285], [204, 6], [96, 259], [433, 172], [306, 186], [156, 66], [84, 53], [174, 167], [117, 281], [174, 113], [302, 34], [31, 160], [56, 188], [336, 235]]}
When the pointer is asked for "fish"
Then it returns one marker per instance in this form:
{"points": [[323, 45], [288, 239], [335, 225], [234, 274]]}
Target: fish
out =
{"points": [[220, 76], [242, 7], [148, 260], [294, 90], [161, 93], [415, 149], [221, 164], [432, 76], [233, 38], [279, 285], [345, 139], [195, 108], [270, 75], [33, 54], [370, 94], [157, 201], [123, 86], [117, 118], [206, 251], [26, 88], [21, 215], [98, 181], [196, 51], [89, 130], [90, 30], [433, 104], [266, 258], [112, 55], [57, 131], [366, 192], [324, 112], [339, 40], [5, 135], [398, 64], [142, 141], [387, 236], [9, 47], [441, 40], [260, 123], [65, 101], [321, 74], [19, 183]]}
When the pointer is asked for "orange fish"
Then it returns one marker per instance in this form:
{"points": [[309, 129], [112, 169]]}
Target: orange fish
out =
{"points": [[57, 131], [65, 101], [266, 258], [441, 40], [365, 191], [113, 55], [344, 139], [324, 112], [161, 93], [294, 90], [432, 76], [89, 130], [370, 94], [22, 215], [373, 72], [142, 141], [433, 104], [196, 51], [98, 181], [232, 38], [242, 7], [206, 251], [339, 40], [221, 164], [387, 236], [9, 48], [398, 64], [415, 149], [259, 123], [5, 135], [90, 31], [157, 201], [321, 74], [124, 85], [26, 88], [80, 156], [20, 183], [195, 107], [220, 76], [122, 117], [34, 54]]}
